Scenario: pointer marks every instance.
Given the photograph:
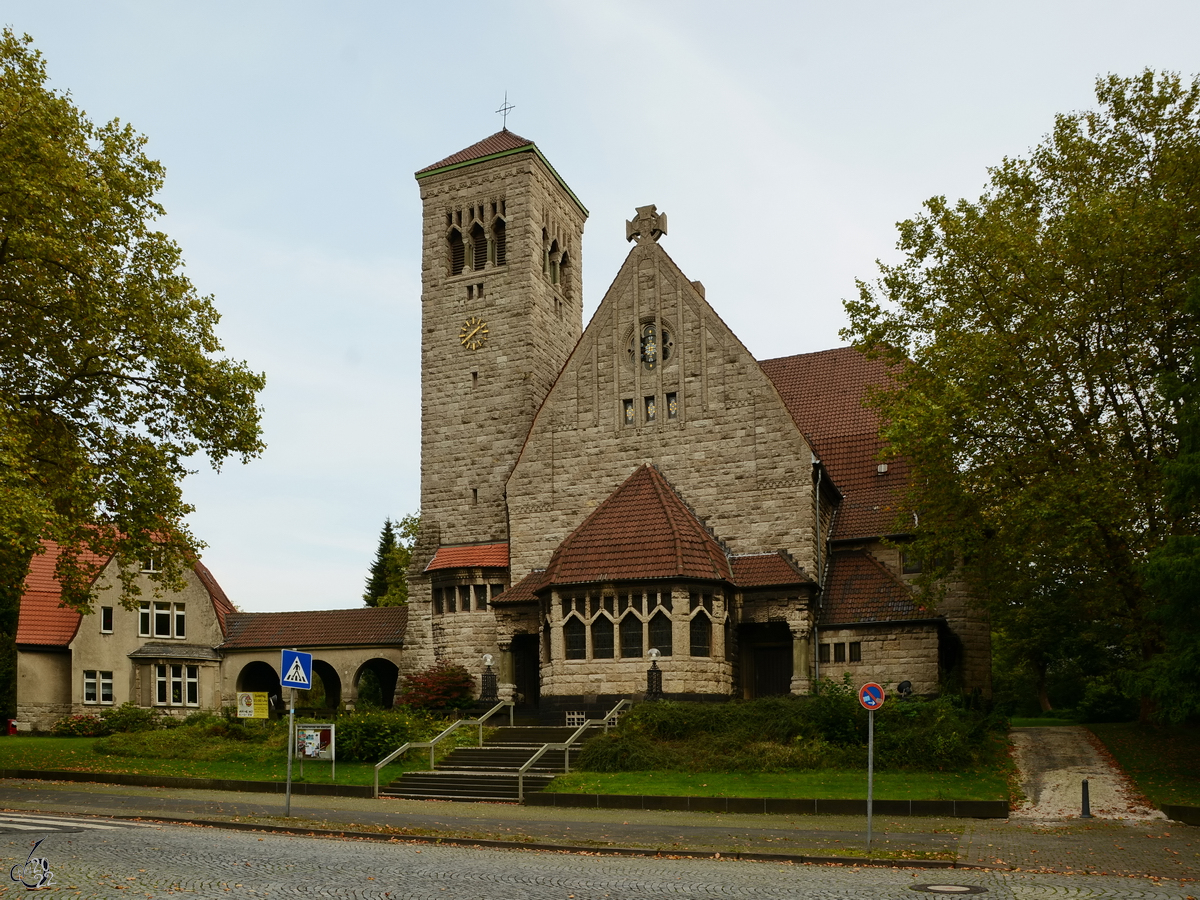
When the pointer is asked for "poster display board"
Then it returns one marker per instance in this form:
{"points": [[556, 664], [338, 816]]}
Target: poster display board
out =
{"points": [[316, 743]]}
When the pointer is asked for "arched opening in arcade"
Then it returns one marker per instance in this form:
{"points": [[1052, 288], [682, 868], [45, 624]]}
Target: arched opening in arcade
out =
{"points": [[375, 684]]}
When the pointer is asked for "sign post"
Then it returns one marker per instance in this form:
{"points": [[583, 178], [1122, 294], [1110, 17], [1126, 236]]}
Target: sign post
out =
{"points": [[871, 696], [297, 675]]}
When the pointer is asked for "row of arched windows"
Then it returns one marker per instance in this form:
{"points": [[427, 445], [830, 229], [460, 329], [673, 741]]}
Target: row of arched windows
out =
{"points": [[478, 246], [627, 637]]}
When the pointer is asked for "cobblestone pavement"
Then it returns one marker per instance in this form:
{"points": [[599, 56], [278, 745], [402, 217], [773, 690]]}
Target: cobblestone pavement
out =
{"points": [[1097, 853], [182, 861]]}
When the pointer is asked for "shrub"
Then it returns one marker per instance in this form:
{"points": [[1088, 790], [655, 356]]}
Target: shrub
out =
{"points": [[371, 735], [131, 717], [445, 686], [80, 726]]}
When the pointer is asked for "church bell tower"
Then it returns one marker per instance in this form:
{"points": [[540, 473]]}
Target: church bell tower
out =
{"points": [[501, 310]]}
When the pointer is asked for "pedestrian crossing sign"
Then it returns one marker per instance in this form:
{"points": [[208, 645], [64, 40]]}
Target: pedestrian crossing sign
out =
{"points": [[297, 670]]}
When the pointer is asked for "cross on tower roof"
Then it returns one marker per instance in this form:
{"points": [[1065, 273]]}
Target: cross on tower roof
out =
{"points": [[648, 225], [505, 109]]}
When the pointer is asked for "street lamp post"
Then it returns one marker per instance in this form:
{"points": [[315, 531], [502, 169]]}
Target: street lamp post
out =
{"points": [[489, 692], [654, 689]]}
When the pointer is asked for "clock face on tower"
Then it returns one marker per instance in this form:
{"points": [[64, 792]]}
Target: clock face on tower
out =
{"points": [[473, 333]]}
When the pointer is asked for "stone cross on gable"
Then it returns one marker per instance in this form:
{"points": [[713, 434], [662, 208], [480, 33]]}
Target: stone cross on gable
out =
{"points": [[649, 225]]}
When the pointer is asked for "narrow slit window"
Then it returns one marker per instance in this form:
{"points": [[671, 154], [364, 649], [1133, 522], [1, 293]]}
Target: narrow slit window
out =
{"points": [[839, 653], [627, 413], [672, 406], [106, 620], [499, 232], [823, 653], [144, 619], [458, 252], [437, 601], [651, 409], [855, 651]]}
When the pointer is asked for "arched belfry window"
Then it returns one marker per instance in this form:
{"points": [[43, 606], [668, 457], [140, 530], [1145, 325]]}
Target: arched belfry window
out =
{"points": [[458, 252], [555, 261], [478, 247], [501, 241], [564, 276]]}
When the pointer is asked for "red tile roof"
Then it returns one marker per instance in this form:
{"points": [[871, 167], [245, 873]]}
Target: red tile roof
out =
{"points": [[767, 570], [499, 142], [41, 621], [862, 589], [824, 393], [524, 591], [643, 530], [370, 626], [221, 603], [470, 556]]}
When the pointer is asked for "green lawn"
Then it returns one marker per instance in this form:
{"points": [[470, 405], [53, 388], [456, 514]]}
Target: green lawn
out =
{"points": [[237, 760], [819, 784], [1163, 762]]}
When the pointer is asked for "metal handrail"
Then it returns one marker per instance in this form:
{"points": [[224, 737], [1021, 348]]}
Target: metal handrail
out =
{"points": [[566, 746], [432, 744]]}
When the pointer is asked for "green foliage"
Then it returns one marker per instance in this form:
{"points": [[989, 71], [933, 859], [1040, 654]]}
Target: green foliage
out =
{"points": [[208, 739], [1031, 333], [372, 735], [128, 717], [80, 726], [111, 376], [445, 686], [387, 583], [370, 694], [827, 730]]}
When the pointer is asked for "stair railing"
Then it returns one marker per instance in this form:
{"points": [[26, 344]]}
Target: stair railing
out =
{"points": [[432, 744], [607, 721]]}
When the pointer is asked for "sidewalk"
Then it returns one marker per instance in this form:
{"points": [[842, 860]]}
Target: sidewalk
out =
{"points": [[1113, 847]]}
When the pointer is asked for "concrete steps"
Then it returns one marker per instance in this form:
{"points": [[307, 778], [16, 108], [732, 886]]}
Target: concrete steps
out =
{"points": [[490, 772]]}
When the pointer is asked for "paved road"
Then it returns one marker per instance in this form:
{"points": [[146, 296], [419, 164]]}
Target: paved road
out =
{"points": [[174, 861]]}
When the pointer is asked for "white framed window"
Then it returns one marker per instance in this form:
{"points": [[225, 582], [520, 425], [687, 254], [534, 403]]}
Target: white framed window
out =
{"points": [[106, 620], [180, 630], [97, 686], [161, 619], [144, 619], [153, 563], [176, 684]]}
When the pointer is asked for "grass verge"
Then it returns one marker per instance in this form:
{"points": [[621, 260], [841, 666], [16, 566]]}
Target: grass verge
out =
{"points": [[1161, 761], [833, 785], [249, 762]]}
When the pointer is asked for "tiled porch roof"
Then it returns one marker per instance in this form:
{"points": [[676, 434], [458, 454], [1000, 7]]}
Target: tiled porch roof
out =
{"points": [[470, 556]]}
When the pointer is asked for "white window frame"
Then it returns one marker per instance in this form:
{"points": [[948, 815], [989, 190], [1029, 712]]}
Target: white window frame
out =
{"points": [[171, 676], [145, 619], [100, 685], [106, 612]]}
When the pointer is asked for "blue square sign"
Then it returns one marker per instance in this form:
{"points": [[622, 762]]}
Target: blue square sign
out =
{"points": [[297, 669]]}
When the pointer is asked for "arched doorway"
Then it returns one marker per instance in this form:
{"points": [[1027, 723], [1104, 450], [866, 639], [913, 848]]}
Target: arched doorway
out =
{"points": [[326, 692], [262, 677], [375, 683]]}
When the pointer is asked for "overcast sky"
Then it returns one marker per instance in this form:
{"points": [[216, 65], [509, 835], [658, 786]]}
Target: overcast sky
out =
{"points": [[784, 140]]}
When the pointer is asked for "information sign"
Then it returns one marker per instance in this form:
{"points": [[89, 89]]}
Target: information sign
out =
{"points": [[871, 696], [252, 705], [297, 669]]}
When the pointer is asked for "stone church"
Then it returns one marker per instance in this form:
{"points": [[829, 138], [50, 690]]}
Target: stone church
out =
{"points": [[589, 494]]}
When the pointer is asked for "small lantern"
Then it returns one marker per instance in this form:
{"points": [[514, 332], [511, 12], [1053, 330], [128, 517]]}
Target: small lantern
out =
{"points": [[654, 689], [490, 689]]}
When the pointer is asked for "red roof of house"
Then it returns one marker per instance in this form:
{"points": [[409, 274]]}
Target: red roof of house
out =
{"points": [[824, 393], [643, 530], [42, 621], [497, 143], [767, 570], [221, 603], [369, 626], [862, 589], [470, 556]]}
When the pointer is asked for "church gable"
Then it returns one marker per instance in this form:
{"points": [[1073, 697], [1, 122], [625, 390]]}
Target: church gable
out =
{"points": [[658, 377]]}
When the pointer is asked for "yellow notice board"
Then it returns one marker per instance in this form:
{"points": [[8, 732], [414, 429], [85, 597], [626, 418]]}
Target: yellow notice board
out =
{"points": [[252, 705]]}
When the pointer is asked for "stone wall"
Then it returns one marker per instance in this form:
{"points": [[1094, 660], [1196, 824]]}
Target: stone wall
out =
{"points": [[733, 452], [43, 688], [891, 653]]}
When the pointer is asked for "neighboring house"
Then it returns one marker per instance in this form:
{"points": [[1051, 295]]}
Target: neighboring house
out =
{"points": [[161, 654], [187, 650]]}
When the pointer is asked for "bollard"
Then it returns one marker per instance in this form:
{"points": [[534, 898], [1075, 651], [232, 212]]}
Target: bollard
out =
{"points": [[1087, 806]]}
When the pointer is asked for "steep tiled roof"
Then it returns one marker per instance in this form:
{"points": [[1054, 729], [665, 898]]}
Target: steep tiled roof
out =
{"points": [[767, 570], [499, 142], [41, 621], [221, 604], [824, 393], [318, 628], [861, 589], [470, 556], [524, 591], [643, 530]]}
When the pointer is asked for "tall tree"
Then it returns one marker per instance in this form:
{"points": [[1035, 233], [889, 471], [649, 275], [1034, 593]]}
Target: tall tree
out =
{"points": [[1031, 331], [387, 582], [111, 376]]}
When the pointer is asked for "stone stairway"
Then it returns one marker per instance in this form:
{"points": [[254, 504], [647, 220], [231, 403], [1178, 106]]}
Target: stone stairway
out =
{"points": [[489, 772]]}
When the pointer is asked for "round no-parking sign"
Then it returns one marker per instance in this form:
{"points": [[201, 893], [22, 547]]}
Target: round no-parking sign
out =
{"points": [[871, 696]]}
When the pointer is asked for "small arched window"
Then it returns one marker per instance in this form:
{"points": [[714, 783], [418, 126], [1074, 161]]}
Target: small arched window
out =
{"points": [[575, 638], [701, 634], [660, 633], [631, 636], [555, 258], [458, 252], [564, 275], [479, 247], [499, 232], [602, 638]]}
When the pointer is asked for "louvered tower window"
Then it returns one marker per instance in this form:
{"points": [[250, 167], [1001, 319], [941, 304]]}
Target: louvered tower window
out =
{"points": [[458, 252]]}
